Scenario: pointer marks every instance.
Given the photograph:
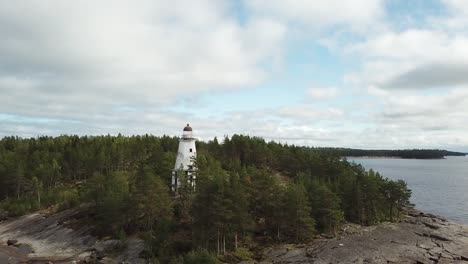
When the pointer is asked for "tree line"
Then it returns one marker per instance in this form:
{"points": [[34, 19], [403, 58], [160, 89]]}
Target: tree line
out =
{"points": [[249, 192], [399, 153]]}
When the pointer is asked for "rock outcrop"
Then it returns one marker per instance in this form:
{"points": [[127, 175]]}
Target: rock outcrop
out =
{"points": [[419, 238], [42, 236]]}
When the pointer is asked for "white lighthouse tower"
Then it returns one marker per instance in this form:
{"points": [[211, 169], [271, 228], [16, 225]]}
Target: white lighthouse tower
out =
{"points": [[184, 161]]}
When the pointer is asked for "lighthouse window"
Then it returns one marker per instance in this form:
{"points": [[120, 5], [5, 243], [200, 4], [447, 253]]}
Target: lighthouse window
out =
{"points": [[190, 150]]}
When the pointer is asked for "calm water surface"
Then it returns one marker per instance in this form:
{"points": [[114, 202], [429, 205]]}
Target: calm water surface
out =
{"points": [[439, 186]]}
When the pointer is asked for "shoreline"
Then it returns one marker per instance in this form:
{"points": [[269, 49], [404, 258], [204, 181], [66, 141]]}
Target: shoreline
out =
{"points": [[395, 157], [419, 237]]}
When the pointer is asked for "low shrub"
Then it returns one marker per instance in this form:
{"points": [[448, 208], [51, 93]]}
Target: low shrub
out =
{"points": [[67, 198], [17, 207], [200, 256], [243, 254]]}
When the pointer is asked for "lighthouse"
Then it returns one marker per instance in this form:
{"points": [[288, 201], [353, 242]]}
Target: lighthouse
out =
{"points": [[184, 161]]}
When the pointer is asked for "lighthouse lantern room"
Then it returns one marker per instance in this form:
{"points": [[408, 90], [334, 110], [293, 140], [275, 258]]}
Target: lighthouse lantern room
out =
{"points": [[184, 161]]}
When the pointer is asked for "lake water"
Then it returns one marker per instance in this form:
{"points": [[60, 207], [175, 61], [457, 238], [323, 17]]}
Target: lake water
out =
{"points": [[439, 186]]}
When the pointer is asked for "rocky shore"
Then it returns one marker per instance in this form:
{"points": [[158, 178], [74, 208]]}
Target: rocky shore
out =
{"points": [[45, 237], [418, 238]]}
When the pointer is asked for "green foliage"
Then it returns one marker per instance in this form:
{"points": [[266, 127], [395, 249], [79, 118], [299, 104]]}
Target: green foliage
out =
{"points": [[152, 212], [151, 200], [401, 153], [68, 198], [397, 196], [212, 209], [200, 256], [326, 208], [267, 202], [14, 207], [249, 191], [110, 193], [298, 209], [184, 203], [37, 189], [242, 254]]}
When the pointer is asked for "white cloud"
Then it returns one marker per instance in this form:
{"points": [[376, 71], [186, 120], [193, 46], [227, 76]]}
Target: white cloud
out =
{"points": [[308, 114], [317, 93], [458, 20], [457, 5], [413, 58], [92, 67], [432, 54], [358, 14], [425, 120], [110, 51]]}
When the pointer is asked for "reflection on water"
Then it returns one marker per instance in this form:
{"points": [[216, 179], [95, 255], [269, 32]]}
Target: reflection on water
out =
{"points": [[439, 186]]}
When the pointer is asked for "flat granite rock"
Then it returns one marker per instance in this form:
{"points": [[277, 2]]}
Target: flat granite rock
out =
{"points": [[41, 237], [420, 238]]}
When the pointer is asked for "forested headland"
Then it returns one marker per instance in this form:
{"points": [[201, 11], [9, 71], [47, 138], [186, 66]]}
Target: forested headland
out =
{"points": [[399, 153], [250, 193]]}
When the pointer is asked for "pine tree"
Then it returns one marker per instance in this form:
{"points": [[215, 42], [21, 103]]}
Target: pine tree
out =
{"points": [[151, 200], [241, 219], [111, 195], [326, 207], [298, 209], [266, 202]]}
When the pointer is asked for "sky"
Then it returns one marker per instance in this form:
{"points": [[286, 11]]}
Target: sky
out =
{"points": [[367, 74]]}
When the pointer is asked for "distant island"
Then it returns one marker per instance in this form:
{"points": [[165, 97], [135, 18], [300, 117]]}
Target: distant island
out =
{"points": [[400, 153]]}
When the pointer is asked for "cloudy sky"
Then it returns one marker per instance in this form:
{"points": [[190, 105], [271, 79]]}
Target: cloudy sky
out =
{"points": [[361, 73]]}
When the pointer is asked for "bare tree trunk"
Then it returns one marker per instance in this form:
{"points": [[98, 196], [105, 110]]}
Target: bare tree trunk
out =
{"points": [[218, 241], [398, 211], [297, 225], [235, 240], [391, 212], [278, 232], [224, 244]]}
